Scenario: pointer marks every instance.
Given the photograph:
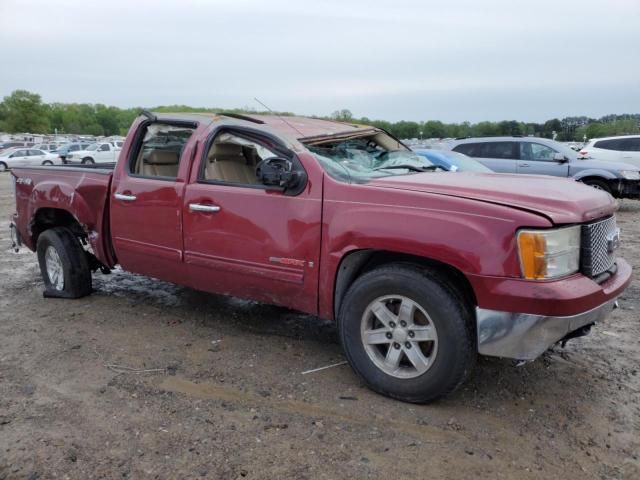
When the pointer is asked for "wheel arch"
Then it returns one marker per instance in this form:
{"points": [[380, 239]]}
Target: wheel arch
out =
{"points": [[48, 217], [358, 262]]}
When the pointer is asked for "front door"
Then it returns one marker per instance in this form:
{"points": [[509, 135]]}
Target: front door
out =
{"points": [[146, 202], [244, 239], [539, 159]]}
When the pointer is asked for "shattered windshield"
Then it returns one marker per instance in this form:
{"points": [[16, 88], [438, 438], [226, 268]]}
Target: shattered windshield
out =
{"points": [[374, 156]]}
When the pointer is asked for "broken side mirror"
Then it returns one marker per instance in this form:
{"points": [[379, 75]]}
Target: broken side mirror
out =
{"points": [[278, 172]]}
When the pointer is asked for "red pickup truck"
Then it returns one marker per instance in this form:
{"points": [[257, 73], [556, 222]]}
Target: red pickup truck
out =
{"points": [[422, 269]]}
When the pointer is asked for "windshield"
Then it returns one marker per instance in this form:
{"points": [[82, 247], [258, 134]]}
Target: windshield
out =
{"points": [[363, 158]]}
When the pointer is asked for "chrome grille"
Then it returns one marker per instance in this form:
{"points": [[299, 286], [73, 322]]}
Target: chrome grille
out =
{"points": [[600, 240]]}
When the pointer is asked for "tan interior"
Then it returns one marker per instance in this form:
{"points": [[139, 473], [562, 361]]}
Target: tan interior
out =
{"points": [[233, 163], [160, 163]]}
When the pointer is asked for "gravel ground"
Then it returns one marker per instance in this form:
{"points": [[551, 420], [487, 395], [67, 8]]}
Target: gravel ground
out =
{"points": [[144, 379]]}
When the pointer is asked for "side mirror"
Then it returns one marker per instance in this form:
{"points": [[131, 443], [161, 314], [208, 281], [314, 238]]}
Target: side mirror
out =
{"points": [[277, 172], [558, 157]]}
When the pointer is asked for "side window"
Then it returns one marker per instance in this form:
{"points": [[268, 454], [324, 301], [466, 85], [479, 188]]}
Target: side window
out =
{"points": [[536, 152], [502, 150], [34, 153], [233, 159], [158, 150], [469, 149], [74, 148], [635, 144], [104, 147], [613, 144], [20, 153]]}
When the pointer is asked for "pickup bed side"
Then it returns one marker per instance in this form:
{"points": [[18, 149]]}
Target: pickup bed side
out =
{"points": [[47, 197]]}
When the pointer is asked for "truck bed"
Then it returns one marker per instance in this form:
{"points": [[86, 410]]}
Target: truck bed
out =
{"points": [[45, 193]]}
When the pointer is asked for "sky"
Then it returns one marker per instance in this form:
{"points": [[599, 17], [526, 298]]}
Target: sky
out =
{"points": [[454, 60]]}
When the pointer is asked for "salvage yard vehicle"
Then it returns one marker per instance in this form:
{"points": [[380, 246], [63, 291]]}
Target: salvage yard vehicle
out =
{"points": [[540, 156], [452, 161], [421, 269], [26, 157], [624, 148], [101, 152]]}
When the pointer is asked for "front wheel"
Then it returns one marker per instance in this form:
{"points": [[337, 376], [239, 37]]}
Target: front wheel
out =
{"points": [[598, 184], [407, 333], [3, 167], [47, 163], [63, 264]]}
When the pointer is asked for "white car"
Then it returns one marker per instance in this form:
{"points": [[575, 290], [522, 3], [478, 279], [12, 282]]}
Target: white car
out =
{"points": [[619, 149], [26, 157], [101, 152]]}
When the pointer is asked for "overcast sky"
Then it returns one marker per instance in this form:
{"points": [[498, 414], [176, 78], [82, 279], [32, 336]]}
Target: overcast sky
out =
{"points": [[404, 59]]}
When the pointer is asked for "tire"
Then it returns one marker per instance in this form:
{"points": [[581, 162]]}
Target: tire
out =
{"points": [[88, 161], [63, 264], [598, 184], [47, 162], [3, 167], [451, 353]]}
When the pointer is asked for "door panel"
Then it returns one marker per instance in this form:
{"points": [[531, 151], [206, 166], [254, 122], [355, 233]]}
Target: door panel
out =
{"points": [[260, 244]]}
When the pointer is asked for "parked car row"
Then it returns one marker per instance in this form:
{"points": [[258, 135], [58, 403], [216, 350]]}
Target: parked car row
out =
{"points": [[26, 157]]}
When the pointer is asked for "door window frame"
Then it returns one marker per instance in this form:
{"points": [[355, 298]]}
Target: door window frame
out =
{"points": [[266, 140], [138, 140]]}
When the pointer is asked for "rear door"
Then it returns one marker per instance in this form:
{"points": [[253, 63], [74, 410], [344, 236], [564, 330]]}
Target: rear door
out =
{"points": [[146, 200], [539, 159], [245, 239], [498, 156]]}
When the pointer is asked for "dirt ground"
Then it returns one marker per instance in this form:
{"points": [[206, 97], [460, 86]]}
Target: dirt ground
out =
{"points": [[144, 379]]}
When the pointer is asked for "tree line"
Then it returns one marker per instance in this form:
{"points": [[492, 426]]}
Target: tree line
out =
{"points": [[25, 112]]}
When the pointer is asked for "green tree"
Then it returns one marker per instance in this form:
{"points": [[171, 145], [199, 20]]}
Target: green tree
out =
{"points": [[23, 111]]}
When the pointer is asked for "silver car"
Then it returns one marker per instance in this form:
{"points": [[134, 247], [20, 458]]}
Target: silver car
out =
{"points": [[531, 155]]}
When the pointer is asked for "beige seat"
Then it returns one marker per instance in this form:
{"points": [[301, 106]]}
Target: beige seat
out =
{"points": [[228, 163], [161, 163]]}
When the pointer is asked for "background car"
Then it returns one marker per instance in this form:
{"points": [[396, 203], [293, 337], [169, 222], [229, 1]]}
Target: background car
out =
{"points": [[26, 157], [452, 161], [532, 155], [623, 149], [65, 150], [48, 147], [102, 152], [6, 145]]}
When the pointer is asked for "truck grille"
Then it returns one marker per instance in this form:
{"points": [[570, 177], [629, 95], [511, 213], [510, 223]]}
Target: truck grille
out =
{"points": [[600, 240]]}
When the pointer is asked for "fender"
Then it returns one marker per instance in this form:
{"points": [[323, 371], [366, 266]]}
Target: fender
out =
{"points": [[595, 172], [474, 237]]}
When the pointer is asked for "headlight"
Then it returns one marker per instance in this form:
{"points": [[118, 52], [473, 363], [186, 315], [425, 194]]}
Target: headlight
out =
{"points": [[548, 254], [630, 174]]}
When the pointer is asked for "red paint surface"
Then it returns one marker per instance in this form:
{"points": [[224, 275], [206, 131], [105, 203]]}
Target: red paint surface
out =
{"points": [[465, 221]]}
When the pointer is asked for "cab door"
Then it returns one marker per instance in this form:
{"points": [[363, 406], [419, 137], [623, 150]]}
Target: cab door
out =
{"points": [[19, 158], [245, 239], [146, 200]]}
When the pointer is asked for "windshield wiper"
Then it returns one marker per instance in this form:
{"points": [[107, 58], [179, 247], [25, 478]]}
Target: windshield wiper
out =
{"points": [[426, 168]]}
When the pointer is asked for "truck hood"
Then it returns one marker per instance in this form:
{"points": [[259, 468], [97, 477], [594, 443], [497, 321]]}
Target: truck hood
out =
{"points": [[559, 199]]}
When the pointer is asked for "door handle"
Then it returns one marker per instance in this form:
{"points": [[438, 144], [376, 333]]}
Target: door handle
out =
{"points": [[523, 165], [124, 198], [198, 207]]}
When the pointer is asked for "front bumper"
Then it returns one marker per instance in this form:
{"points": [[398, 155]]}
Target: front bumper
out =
{"points": [[524, 336], [16, 239], [626, 188]]}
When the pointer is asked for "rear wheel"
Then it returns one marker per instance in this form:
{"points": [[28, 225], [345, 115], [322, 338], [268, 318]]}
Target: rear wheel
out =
{"points": [[598, 184], [3, 167], [407, 333], [88, 161], [47, 162], [63, 264]]}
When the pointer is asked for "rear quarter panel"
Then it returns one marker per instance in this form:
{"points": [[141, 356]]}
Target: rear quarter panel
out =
{"points": [[80, 192]]}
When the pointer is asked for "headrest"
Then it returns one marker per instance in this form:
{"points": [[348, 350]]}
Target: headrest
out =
{"points": [[162, 157], [225, 150]]}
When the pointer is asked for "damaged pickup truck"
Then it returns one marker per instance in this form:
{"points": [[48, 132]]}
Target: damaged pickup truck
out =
{"points": [[421, 269]]}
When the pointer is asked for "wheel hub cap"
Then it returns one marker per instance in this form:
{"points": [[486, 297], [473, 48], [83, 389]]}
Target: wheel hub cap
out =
{"points": [[55, 271], [399, 336]]}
